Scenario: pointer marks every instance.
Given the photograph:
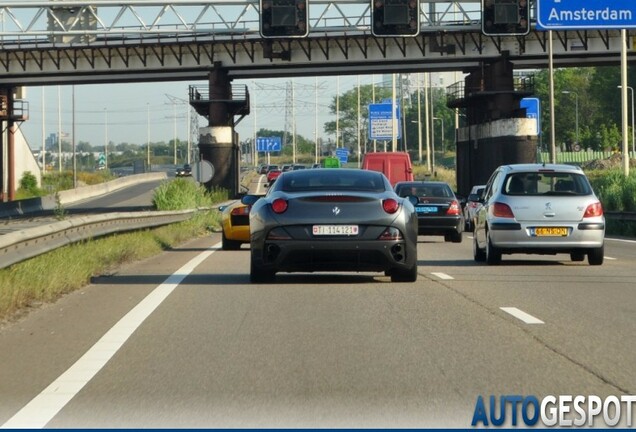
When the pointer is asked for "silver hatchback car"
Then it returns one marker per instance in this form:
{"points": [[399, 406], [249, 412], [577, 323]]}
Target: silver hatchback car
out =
{"points": [[539, 209]]}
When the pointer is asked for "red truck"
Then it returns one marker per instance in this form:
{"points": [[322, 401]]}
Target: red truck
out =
{"points": [[396, 166]]}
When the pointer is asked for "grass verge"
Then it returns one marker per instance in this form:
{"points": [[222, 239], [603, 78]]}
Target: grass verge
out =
{"points": [[22, 286]]}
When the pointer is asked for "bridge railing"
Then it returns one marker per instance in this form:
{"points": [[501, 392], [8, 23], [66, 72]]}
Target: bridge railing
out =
{"points": [[98, 21]]}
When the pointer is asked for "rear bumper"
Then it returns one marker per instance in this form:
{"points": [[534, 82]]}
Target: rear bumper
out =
{"points": [[517, 237], [437, 225], [309, 256]]}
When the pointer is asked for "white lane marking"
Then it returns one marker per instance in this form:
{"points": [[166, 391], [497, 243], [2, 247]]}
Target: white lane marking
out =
{"points": [[620, 240], [42, 408], [525, 317], [610, 258], [443, 276], [260, 185]]}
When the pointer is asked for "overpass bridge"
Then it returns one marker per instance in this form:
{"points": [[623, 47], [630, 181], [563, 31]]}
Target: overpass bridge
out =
{"points": [[46, 42], [49, 42]]}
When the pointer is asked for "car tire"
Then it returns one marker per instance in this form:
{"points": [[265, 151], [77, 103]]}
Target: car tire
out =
{"points": [[493, 255], [595, 256], [404, 275], [259, 274], [227, 244], [479, 255], [456, 237], [577, 256]]}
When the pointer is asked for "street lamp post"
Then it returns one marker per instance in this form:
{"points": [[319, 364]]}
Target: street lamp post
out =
{"points": [[633, 125], [148, 136], [576, 113], [105, 138], [442, 120]]}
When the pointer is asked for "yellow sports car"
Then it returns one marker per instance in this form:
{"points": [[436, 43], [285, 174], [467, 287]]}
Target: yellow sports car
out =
{"points": [[235, 222]]}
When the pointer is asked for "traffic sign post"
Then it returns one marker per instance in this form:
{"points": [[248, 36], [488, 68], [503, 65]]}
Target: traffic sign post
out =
{"points": [[268, 144], [590, 14], [381, 121], [343, 155], [533, 110]]}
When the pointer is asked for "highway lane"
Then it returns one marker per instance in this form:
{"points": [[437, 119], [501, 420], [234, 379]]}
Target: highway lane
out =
{"points": [[133, 198], [341, 350]]}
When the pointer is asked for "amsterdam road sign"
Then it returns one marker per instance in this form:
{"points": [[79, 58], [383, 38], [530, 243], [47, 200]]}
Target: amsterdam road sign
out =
{"points": [[588, 14]]}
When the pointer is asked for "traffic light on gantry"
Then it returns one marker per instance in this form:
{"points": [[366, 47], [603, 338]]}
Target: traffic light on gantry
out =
{"points": [[505, 17], [395, 17], [284, 18]]}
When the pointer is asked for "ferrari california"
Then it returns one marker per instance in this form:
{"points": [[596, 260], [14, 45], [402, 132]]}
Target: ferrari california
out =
{"points": [[332, 220]]}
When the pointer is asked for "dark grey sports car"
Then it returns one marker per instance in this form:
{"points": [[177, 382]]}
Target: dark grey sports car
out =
{"points": [[332, 220]]}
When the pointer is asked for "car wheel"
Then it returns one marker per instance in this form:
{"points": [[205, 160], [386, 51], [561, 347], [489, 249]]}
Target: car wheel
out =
{"points": [[259, 274], [478, 254], [493, 255], [456, 237], [404, 275], [227, 244], [577, 256], [595, 256]]}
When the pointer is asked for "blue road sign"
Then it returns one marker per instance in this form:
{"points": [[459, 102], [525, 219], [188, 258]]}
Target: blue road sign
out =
{"points": [[342, 154], [588, 14], [533, 110], [268, 144], [381, 121]]}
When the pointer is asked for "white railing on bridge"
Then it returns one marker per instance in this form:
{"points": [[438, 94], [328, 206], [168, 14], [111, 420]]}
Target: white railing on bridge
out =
{"points": [[64, 21]]}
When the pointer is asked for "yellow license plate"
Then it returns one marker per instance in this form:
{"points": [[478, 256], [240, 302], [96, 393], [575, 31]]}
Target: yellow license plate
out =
{"points": [[551, 232]]}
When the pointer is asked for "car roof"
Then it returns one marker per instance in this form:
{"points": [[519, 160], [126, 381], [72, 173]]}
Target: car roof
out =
{"points": [[537, 167], [421, 182]]}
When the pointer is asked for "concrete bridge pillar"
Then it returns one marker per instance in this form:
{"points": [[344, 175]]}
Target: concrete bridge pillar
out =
{"points": [[7, 145], [218, 142]]}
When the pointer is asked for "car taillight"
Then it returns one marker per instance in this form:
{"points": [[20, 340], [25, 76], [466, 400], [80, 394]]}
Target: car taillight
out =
{"points": [[390, 205], [279, 205], [453, 209], [240, 211], [502, 210], [593, 210], [391, 233]]}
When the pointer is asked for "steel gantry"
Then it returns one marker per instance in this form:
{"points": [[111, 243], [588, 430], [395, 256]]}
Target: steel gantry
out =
{"points": [[60, 41]]}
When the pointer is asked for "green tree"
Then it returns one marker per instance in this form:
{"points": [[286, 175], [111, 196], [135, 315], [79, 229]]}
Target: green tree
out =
{"points": [[347, 111]]}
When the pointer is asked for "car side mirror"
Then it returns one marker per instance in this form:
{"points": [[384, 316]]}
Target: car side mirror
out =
{"points": [[222, 208], [473, 197]]}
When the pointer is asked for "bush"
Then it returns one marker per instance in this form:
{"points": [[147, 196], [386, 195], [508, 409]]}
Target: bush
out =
{"points": [[28, 186], [616, 192], [183, 194], [629, 193]]}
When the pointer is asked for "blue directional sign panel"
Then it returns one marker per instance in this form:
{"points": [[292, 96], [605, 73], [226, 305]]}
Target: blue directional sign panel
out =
{"points": [[584, 15], [342, 154], [381, 121], [533, 110], [268, 144]]}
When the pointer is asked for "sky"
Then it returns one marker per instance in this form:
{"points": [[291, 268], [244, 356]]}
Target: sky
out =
{"points": [[124, 112], [120, 113]]}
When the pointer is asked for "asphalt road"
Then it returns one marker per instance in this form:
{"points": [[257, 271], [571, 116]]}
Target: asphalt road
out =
{"points": [[203, 347]]}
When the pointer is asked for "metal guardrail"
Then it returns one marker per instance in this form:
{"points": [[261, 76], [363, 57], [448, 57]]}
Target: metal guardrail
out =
{"points": [[621, 216], [21, 245]]}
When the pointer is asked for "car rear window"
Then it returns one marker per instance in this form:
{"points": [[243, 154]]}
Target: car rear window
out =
{"points": [[425, 190], [546, 183], [309, 180]]}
